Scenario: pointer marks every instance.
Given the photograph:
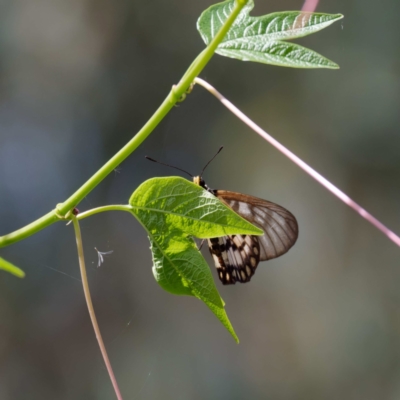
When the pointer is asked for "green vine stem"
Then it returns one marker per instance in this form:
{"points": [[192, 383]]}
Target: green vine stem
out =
{"points": [[173, 97], [89, 303]]}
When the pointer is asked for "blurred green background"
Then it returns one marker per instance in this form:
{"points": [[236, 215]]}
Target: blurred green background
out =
{"points": [[77, 80]]}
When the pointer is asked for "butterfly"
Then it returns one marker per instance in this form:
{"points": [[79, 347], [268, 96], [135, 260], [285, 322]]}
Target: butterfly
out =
{"points": [[236, 257]]}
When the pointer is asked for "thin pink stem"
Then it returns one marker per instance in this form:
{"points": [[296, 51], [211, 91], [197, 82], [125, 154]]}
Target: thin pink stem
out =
{"points": [[89, 304], [318, 177], [310, 5]]}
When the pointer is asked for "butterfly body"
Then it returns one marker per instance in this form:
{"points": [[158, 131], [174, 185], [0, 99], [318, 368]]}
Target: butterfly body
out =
{"points": [[236, 257]]}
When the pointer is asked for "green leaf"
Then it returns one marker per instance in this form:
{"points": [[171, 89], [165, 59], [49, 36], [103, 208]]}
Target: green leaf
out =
{"points": [[279, 53], [172, 210], [178, 203], [260, 39], [12, 269], [179, 268]]}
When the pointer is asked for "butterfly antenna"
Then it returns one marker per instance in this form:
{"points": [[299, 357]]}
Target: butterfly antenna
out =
{"points": [[167, 165], [219, 151]]}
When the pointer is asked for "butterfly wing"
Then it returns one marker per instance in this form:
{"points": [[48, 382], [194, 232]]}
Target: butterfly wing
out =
{"points": [[236, 257], [279, 225]]}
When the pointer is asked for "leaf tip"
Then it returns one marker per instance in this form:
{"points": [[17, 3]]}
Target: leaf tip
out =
{"points": [[334, 66], [260, 232]]}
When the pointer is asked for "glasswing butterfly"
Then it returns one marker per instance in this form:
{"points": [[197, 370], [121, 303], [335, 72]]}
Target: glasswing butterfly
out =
{"points": [[236, 257]]}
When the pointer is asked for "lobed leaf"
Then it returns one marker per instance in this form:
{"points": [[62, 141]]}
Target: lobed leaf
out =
{"points": [[259, 39]]}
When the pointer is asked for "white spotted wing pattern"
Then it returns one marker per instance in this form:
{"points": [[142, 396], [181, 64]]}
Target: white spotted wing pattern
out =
{"points": [[236, 257]]}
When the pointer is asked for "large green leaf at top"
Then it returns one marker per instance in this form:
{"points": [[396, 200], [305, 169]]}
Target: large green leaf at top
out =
{"points": [[261, 39], [173, 210]]}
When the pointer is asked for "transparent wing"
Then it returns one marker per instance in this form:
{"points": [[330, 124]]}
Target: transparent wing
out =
{"points": [[279, 225], [236, 257]]}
